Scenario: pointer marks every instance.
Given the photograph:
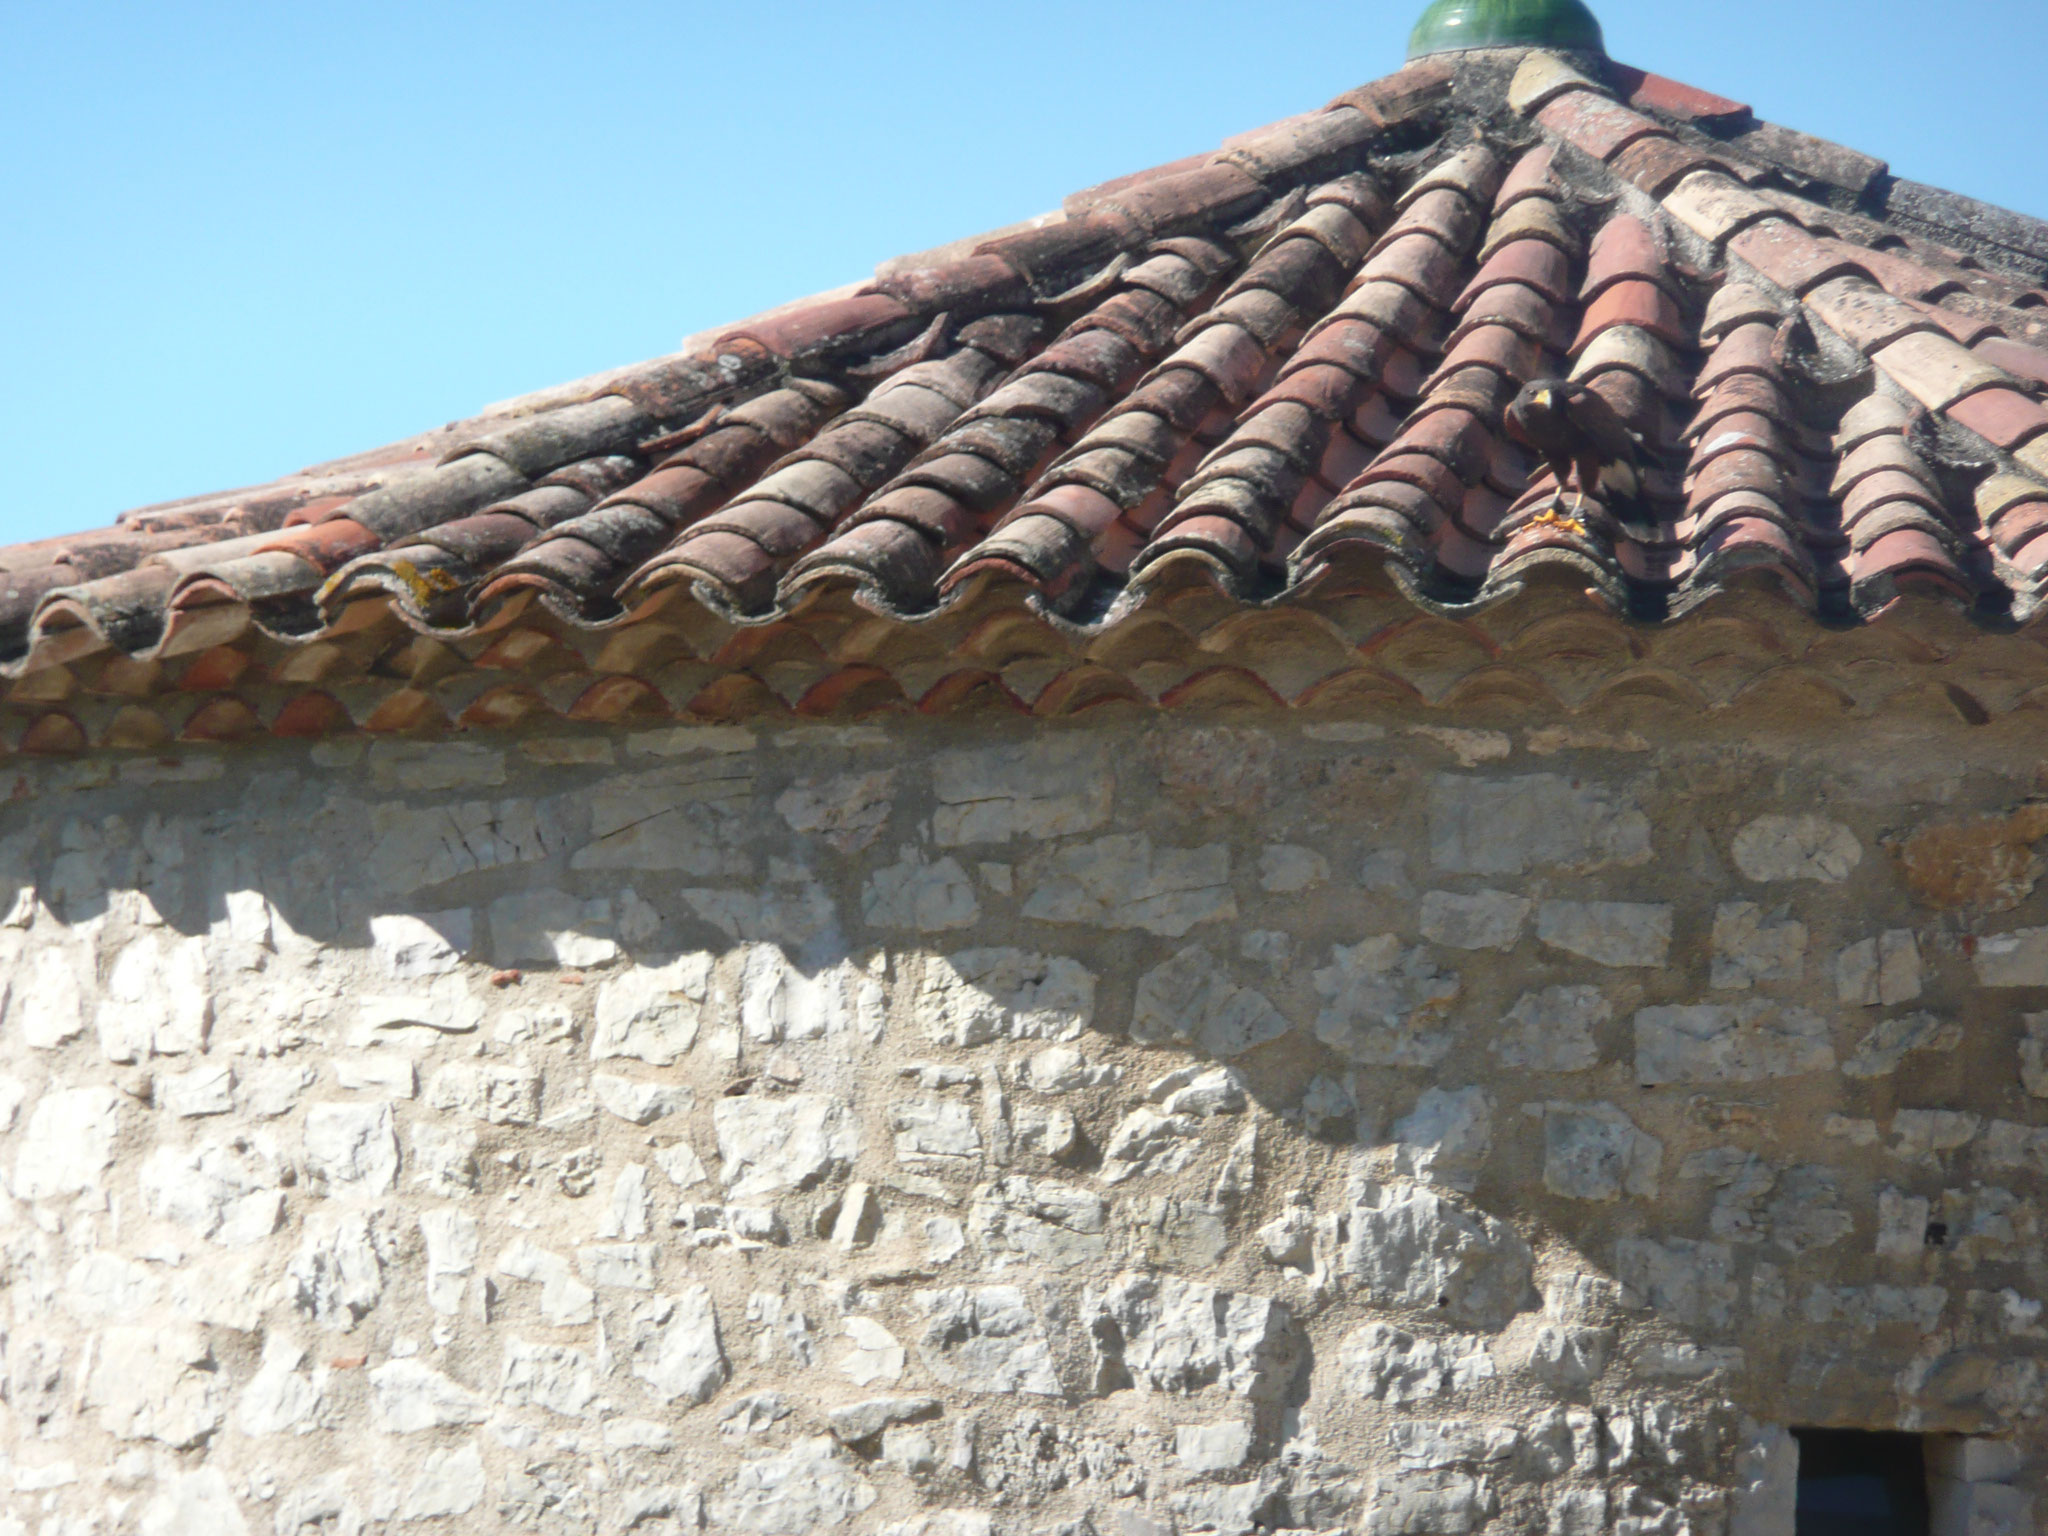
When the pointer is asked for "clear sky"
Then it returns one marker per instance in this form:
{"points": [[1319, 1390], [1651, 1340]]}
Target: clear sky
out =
{"points": [[242, 238]]}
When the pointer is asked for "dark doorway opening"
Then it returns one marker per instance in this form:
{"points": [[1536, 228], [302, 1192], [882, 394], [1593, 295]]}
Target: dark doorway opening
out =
{"points": [[1856, 1482]]}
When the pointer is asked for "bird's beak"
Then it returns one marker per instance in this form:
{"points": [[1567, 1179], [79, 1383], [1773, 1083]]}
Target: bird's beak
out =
{"points": [[1546, 398]]}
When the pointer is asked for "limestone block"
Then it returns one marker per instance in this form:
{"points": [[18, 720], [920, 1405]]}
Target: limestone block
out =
{"points": [[936, 1134], [565, 1301], [986, 1339], [1901, 1224], [68, 1143], [351, 1149], [1978, 1509], [158, 1000], [1881, 1051], [337, 1275], [1617, 934], [2016, 959], [811, 1486], [1039, 1220], [436, 765], [227, 1193], [930, 898], [1716, 1043], [443, 1005], [851, 1423], [1569, 1358], [196, 1503], [156, 1383], [1202, 1092], [675, 1347], [1806, 1213], [681, 819], [1536, 821], [453, 1245], [768, 1144], [1148, 1142], [1553, 1030], [1125, 882], [848, 811], [1691, 1283], [1062, 1069], [628, 1210], [1446, 1137], [448, 1483], [382, 1073], [46, 989], [1483, 920], [1212, 1447], [551, 1376], [1880, 972], [412, 945], [1773, 848], [1430, 1445], [780, 1002], [444, 1159], [1595, 1152], [636, 1102], [281, 1398], [1385, 1363], [1048, 788], [1871, 1307], [1383, 1003], [550, 927], [651, 1012], [103, 1287], [1751, 946], [497, 1093], [205, 1090], [1164, 1334], [1409, 1247], [415, 848], [1286, 869], [874, 1356], [617, 1266], [1192, 999], [1923, 1135], [1973, 1459], [1430, 1504], [982, 995]]}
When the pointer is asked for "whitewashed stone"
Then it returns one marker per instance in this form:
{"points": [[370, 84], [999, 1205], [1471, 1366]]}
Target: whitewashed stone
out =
{"points": [[411, 945], [1617, 934], [195, 1503], [1410, 1247], [1552, 1030], [156, 1383], [874, 1354], [1384, 1004], [68, 1143], [1880, 972], [352, 1149], [158, 1000], [46, 991], [227, 1193], [2016, 959], [205, 1090], [1775, 848], [1165, 1334], [768, 1144], [551, 927], [651, 1012], [453, 1246], [1446, 1137], [1286, 869], [1125, 882], [812, 1486], [1484, 920], [337, 1275], [1543, 820], [680, 819], [639, 1103], [848, 811], [982, 995], [1690, 1283], [448, 1483], [1192, 1000], [1595, 1152], [1387, 1364], [1743, 1043], [1750, 946], [1037, 789], [1881, 1052], [985, 1339], [565, 1301], [935, 1134], [551, 1376], [930, 898], [281, 1398], [1037, 1220], [675, 1346], [497, 1093]]}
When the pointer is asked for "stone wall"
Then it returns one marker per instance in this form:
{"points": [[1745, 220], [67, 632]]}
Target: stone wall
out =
{"points": [[949, 1129]]}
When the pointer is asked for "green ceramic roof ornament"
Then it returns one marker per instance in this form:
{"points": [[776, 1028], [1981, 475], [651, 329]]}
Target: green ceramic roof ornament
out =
{"points": [[1450, 25]]}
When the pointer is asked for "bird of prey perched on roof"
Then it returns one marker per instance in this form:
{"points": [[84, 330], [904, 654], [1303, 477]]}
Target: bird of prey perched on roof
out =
{"points": [[1580, 435]]}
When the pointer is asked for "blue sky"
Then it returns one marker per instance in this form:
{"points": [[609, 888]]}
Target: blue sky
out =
{"points": [[246, 238]]}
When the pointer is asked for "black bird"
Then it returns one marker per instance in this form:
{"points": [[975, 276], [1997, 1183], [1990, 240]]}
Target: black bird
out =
{"points": [[1579, 434]]}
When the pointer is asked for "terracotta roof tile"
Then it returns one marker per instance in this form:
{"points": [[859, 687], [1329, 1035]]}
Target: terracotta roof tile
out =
{"points": [[1276, 370]]}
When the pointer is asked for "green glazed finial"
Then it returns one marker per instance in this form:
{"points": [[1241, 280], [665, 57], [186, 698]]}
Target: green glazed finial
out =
{"points": [[1450, 25]]}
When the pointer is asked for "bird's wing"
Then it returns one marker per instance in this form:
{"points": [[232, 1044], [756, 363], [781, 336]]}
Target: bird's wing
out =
{"points": [[1603, 427]]}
